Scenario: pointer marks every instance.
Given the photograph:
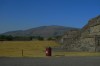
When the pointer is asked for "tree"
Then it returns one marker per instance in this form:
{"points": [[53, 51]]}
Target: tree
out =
{"points": [[3, 37], [30, 37], [40, 38], [9, 38], [6, 37], [50, 38]]}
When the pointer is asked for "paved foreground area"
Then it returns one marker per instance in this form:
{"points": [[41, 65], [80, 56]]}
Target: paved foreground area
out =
{"points": [[51, 61]]}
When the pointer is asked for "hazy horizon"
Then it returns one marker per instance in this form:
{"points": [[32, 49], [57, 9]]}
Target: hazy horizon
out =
{"points": [[25, 14], [37, 27]]}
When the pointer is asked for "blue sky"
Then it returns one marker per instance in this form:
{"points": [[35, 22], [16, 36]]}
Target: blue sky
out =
{"points": [[25, 14]]}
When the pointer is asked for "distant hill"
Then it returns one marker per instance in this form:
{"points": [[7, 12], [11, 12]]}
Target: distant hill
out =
{"points": [[45, 31]]}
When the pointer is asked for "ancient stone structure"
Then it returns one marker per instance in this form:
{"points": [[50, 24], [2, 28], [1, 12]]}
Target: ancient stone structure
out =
{"points": [[86, 39]]}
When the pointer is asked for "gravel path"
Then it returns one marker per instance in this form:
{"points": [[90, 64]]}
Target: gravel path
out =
{"points": [[51, 61]]}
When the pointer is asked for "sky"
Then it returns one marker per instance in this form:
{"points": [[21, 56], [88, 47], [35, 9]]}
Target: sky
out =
{"points": [[25, 14]]}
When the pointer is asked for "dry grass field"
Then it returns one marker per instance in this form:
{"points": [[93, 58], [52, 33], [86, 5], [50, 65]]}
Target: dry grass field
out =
{"points": [[76, 54], [35, 49], [30, 48]]}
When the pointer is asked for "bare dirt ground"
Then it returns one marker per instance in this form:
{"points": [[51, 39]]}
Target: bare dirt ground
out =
{"points": [[50, 61]]}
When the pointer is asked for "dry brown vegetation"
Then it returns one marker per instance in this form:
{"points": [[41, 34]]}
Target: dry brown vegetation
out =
{"points": [[35, 49], [30, 48]]}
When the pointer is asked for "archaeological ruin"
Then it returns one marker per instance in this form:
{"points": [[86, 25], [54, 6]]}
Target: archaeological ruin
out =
{"points": [[85, 39]]}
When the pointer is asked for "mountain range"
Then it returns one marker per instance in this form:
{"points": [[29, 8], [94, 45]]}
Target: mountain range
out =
{"points": [[44, 31]]}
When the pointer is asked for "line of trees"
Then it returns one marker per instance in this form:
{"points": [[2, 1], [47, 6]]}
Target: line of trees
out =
{"points": [[25, 38], [19, 38], [12, 38], [4, 38]]}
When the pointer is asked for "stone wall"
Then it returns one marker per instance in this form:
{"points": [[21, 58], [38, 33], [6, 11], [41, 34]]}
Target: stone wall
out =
{"points": [[69, 38], [87, 44], [95, 30], [87, 39], [97, 42]]}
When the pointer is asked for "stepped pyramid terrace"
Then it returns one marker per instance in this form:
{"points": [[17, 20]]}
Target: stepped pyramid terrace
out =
{"points": [[85, 39]]}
